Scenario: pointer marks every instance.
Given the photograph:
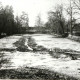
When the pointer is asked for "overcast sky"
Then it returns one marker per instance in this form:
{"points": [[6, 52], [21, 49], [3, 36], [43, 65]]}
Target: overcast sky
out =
{"points": [[33, 7]]}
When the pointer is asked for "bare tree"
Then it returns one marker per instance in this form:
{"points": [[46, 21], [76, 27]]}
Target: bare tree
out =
{"points": [[39, 22], [70, 13], [24, 19], [72, 10], [76, 4], [57, 20]]}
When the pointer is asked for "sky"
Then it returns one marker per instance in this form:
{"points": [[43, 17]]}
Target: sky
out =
{"points": [[33, 8]]}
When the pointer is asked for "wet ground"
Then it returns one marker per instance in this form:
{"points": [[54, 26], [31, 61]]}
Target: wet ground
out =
{"points": [[41, 52]]}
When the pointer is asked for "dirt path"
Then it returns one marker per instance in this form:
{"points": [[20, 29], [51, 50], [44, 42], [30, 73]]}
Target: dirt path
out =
{"points": [[16, 56]]}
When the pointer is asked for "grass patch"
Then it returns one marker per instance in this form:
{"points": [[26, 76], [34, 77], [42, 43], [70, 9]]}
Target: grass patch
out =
{"points": [[20, 44], [3, 60], [7, 49], [32, 73], [34, 46], [64, 53]]}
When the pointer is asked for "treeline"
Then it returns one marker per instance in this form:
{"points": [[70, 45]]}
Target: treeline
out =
{"points": [[57, 22], [63, 19], [9, 24]]}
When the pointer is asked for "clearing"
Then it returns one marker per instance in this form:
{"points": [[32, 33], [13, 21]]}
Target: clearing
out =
{"points": [[41, 52]]}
